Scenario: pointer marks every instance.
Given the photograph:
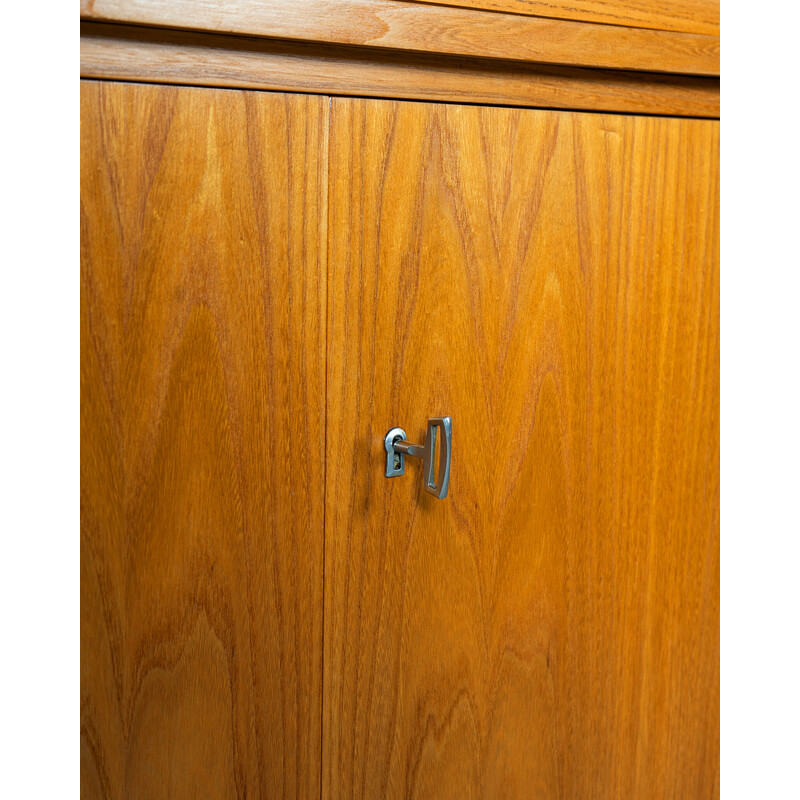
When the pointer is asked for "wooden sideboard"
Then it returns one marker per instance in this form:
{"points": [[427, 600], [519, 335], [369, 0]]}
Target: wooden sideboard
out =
{"points": [[305, 223]]}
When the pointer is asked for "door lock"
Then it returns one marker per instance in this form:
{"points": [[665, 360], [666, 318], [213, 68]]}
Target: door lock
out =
{"points": [[397, 448]]}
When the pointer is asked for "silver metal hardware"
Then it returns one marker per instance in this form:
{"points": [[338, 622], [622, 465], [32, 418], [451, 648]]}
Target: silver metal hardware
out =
{"points": [[395, 461], [397, 448]]}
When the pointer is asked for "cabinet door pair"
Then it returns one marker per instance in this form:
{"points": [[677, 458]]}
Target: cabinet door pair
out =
{"points": [[269, 283]]}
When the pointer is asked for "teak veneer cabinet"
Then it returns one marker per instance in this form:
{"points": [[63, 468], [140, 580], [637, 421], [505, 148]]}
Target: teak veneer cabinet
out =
{"points": [[297, 233]]}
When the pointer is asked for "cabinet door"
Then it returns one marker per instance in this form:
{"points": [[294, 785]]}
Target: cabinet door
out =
{"points": [[202, 424], [551, 281]]}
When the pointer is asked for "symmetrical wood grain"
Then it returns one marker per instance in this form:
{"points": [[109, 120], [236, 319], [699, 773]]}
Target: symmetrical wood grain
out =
{"points": [[689, 16], [428, 28], [203, 292], [550, 280], [124, 52]]}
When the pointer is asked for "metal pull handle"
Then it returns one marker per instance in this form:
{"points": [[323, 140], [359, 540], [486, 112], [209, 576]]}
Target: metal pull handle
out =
{"points": [[397, 448]]}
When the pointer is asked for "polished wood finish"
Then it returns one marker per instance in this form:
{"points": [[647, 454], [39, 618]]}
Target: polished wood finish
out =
{"points": [[410, 26], [551, 629], [203, 294], [149, 54], [688, 16]]}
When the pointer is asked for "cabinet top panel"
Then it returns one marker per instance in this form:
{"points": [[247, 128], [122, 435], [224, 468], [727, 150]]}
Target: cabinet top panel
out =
{"points": [[686, 16], [583, 40], [138, 53]]}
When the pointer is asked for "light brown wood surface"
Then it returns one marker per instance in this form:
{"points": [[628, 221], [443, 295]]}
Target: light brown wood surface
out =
{"points": [[203, 291], [689, 16], [149, 54], [551, 281], [428, 28]]}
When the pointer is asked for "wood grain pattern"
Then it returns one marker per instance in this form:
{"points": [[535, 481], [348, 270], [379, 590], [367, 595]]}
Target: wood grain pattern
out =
{"points": [[551, 280], [150, 54], [688, 16], [428, 28], [203, 292]]}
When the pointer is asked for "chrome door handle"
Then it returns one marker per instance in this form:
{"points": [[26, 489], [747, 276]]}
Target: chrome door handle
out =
{"points": [[397, 448]]}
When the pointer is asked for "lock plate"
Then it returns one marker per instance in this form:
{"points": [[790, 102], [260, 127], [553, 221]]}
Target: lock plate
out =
{"points": [[395, 462]]}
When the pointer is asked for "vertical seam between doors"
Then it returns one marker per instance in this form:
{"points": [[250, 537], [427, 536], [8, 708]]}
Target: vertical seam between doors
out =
{"points": [[327, 151]]}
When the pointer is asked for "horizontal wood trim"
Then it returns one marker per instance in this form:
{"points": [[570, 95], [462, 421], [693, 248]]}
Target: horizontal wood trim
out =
{"points": [[161, 56], [686, 16], [410, 26]]}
